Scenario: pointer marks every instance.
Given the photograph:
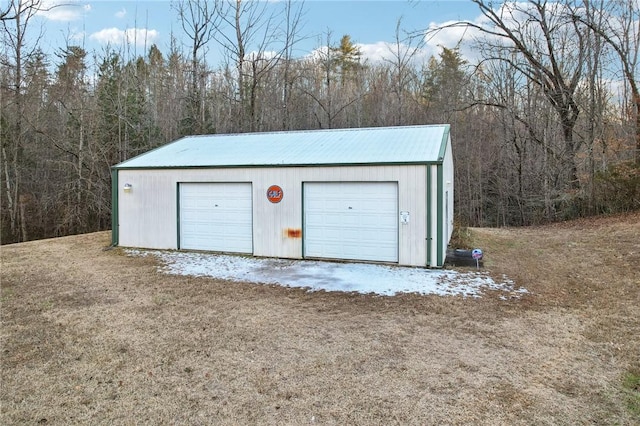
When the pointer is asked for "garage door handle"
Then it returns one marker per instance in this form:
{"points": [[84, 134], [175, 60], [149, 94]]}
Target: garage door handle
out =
{"points": [[350, 208]]}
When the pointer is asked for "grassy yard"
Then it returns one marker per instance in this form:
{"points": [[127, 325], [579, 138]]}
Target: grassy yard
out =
{"points": [[93, 336]]}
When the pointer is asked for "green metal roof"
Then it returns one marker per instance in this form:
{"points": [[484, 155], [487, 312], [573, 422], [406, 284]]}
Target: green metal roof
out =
{"points": [[375, 145]]}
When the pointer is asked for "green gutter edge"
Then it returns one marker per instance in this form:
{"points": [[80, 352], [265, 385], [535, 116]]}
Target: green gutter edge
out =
{"points": [[440, 195], [443, 143], [303, 224], [266, 166], [429, 210], [178, 216], [114, 207]]}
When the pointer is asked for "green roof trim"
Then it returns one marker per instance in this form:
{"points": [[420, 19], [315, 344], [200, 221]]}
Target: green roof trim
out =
{"points": [[440, 205], [443, 144], [114, 208], [265, 166], [428, 210]]}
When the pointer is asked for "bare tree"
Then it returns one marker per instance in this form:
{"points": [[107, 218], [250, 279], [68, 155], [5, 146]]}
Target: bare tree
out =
{"points": [[617, 22], [547, 45], [18, 51], [290, 35], [403, 53], [331, 79], [200, 20], [7, 12], [242, 24], [252, 37]]}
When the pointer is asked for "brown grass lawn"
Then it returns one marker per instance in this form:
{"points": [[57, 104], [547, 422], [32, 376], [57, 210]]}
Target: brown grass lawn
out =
{"points": [[95, 337]]}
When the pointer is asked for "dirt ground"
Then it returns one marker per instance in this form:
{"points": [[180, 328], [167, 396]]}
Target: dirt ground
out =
{"points": [[93, 336]]}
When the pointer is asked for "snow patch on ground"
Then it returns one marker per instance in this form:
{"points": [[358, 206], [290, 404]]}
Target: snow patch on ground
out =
{"points": [[332, 276]]}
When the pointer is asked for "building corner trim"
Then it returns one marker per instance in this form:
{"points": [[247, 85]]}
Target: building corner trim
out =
{"points": [[440, 206], [114, 208]]}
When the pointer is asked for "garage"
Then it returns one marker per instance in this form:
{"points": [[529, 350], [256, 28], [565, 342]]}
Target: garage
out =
{"points": [[379, 194], [351, 220], [216, 217]]}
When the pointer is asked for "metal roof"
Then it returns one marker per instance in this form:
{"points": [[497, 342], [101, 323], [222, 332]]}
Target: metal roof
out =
{"points": [[376, 145]]}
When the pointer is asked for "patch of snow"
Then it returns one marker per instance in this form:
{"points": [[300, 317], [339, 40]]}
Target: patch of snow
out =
{"points": [[332, 276]]}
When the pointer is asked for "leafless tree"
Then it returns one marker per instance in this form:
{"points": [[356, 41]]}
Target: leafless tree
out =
{"points": [[547, 45], [536, 113], [617, 22], [7, 12], [290, 35], [255, 37], [403, 53], [17, 51], [245, 25], [331, 80], [200, 20]]}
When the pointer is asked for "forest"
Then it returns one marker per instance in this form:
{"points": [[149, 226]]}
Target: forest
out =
{"points": [[545, 123]]}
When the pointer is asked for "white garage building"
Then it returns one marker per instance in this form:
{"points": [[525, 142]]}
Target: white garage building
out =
{"points": [[376, 194]]}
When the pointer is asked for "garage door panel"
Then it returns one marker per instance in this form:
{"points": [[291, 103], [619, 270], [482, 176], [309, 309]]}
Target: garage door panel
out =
{"points": [[216, 217], [351, 220]]}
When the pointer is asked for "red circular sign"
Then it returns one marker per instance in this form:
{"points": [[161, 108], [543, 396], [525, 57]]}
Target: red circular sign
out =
{"points": [[274, 194]]}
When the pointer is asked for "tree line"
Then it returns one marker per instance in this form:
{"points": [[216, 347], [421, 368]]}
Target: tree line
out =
{"points": [[545, 124]]}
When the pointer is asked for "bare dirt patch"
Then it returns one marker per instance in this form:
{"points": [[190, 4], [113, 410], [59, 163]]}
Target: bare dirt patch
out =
{"points": [[94, 336]]}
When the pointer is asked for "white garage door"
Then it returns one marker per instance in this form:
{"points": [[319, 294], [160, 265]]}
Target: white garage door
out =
{"points": [[216, 217], [351, 220]]}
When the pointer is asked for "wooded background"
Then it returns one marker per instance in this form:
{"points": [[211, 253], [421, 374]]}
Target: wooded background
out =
{"points": [[545, 125]]}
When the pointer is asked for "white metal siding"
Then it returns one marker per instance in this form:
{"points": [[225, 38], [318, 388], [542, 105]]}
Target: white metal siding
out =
{"points": [[148, 215], [216, 217], [449, 190], [351, 220], [433, 217]]}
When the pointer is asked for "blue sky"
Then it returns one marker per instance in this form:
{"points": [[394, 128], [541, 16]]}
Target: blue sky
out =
{"points": [[98, 23]]}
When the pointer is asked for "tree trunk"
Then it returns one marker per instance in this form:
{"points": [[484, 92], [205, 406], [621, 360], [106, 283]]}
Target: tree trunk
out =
{"points": [[9, 191], [23, 217], [240, 66], [636, 97], [569, 143]]}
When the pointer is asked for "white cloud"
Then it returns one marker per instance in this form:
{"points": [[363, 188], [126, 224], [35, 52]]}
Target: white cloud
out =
{"points": [[375, 52], [63, 10], [469, 40], [386, 51], [265, 55], [121, 13], [436, 36], [77, 35], [371, 52], [138, 36], [454, 33], [450, 36], [318, 54]]}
